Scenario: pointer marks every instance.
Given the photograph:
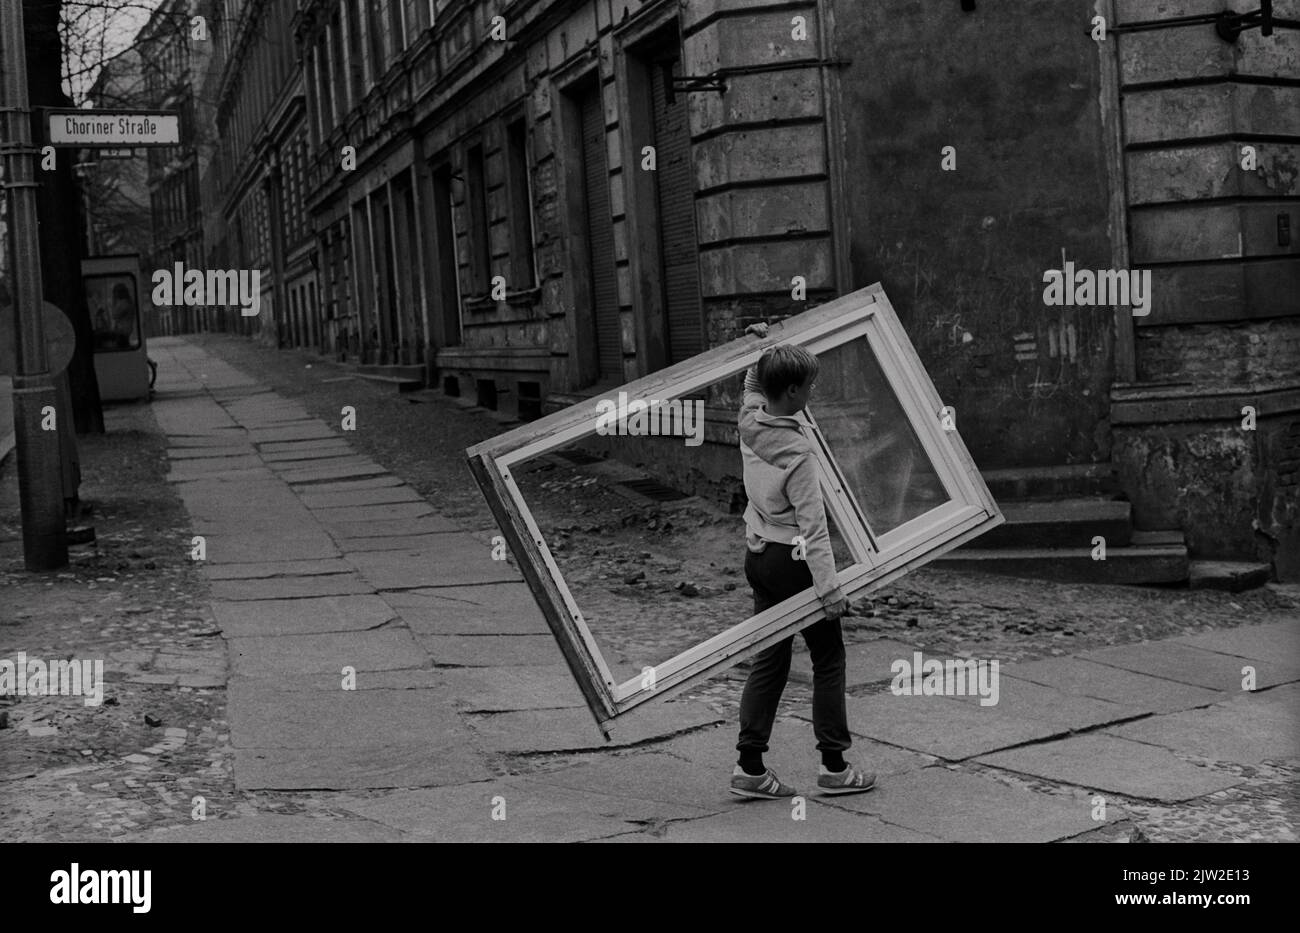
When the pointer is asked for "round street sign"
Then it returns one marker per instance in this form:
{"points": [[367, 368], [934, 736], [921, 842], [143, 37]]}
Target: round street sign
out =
{"points": [[60, 339]]}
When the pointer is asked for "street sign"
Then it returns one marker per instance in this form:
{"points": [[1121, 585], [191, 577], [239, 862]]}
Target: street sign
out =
{"points": [[116, 128], [60, 339]]}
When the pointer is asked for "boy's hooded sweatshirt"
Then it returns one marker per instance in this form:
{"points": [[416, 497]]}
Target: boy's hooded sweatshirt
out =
{"points": [[785, 498]]}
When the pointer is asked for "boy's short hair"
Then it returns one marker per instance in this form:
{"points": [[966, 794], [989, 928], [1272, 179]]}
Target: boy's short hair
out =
{"points": [[783, 366]]}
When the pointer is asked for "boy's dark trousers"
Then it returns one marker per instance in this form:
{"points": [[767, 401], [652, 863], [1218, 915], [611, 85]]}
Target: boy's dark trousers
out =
{"points": [[776, 575]]}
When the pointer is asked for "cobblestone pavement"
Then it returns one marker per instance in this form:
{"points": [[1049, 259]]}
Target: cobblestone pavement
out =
{"points": [[658, 576], [133, 600]]}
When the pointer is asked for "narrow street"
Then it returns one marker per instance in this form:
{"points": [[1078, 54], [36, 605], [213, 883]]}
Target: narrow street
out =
{"points": [[362, 558]]}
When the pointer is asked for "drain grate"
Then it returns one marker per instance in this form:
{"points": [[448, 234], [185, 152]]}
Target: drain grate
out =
{"points": [[578, 456], [653, 489]]}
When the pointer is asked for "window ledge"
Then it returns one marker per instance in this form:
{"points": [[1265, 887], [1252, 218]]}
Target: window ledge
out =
{"points": [[526, 296]]}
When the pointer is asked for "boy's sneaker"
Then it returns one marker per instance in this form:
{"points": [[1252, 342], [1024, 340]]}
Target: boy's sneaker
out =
{"points": [[764, 786], [848, 781]]}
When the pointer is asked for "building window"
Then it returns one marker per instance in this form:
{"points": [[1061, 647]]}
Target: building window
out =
{"points": [[312, 84], [522, 272], [356, 59], [397, 28], [417, 18], [325, 95], [480, 248], [377, 29], [336, 74]]}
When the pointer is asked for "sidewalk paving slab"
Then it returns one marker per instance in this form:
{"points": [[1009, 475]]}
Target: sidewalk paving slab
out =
{"points": [[490, 609], [520, 687], [359, 767], [334, 584], [390, 543], [298, 432], [386, 527], [324, 501], [297, 460], [375, 513], [792, 753], [198, 468], [1269, 643], [456, 561], [231, 479], [1029, 700], [301, 616], [210, 453], [575, 729], [354, 485], [943, 727], [306, 475], [266, 545], [270, 827], [262, 715], [260, 411], [274, 656], [1110, 763], [226, 438], [867, 662], [960, 806], [216, 502], [647, 775], [475, 651], [1087, 678], [399, 679], [324, 459], [1248, 729], [271, 448], [533, 812], [278, 568], [1195, 666], [192, 416], [773, 821]]}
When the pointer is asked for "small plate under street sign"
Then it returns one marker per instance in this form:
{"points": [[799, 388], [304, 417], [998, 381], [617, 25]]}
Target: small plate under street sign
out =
{"points": [[87, 128]]}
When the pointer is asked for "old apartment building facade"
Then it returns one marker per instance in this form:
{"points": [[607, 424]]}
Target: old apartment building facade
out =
{"points": [[255, 191], [529, 201]]}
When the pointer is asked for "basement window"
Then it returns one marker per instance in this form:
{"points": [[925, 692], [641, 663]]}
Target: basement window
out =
{"points": [[529, 400]]}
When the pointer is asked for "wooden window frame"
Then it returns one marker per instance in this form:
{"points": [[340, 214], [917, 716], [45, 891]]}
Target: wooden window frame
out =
{"points": [[878, 558]]}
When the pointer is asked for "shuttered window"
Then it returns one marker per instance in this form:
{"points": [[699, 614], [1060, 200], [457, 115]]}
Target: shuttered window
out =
{"points": [[480, 250], [600, 237], [676, 197]]}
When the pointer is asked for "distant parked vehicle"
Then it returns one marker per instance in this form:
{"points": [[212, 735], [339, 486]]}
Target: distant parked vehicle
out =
{"points": [[113, 295]]}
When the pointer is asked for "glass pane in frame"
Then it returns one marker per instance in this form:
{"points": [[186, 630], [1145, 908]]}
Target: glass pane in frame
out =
{"points": [[887, 468]]}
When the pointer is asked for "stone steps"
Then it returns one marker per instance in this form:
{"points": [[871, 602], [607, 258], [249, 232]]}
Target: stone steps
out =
{"points": [[402, 383], [1134, 564], [1060, 523]]}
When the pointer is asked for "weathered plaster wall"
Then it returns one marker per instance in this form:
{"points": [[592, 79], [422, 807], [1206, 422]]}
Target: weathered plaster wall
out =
{"points": [[1015, 89]]}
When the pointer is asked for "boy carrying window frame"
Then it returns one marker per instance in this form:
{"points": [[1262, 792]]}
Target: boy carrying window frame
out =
{"points": [[788, 549]]}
